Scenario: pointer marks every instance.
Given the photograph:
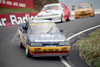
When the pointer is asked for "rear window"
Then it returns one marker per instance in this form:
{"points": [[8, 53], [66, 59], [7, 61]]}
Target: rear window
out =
{"points": [[51, 7], [83, 6]]}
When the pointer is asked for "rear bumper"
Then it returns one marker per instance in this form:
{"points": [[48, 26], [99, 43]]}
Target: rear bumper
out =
{"points": [[77, 15], [56, 18]]}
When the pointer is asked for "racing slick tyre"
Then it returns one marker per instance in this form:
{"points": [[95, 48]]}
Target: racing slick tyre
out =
{"points": [[93, 14], [27, 51], [20, 45], [68, 17], [61, 18]]}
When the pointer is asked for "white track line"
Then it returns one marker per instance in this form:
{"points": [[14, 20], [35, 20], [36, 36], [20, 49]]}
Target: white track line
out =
{"points": [[14, 38], [82, 32], [63, 60]]}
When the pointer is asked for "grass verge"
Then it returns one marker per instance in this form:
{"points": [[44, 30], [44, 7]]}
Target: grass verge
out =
{"points": [[90, 48], [18, 10]]}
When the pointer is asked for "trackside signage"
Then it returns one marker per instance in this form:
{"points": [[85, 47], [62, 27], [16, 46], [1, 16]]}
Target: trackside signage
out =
{"points": [[15, 19], [16, 3]]}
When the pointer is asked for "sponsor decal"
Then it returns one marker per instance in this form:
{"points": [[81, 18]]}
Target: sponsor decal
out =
{"points": [[15, 19], [47, 40], [32, 24], [51, 45], [47, 35]]}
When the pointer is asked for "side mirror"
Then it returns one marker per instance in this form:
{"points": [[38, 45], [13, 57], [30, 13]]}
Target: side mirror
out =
{"points": [[23, 27], [61, 30]]}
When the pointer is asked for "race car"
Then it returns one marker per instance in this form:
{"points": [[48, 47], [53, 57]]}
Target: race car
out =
{"points": [[57, 12], [84, 10], [42, 38]]}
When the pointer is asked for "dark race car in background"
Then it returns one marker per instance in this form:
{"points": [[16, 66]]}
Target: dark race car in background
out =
{"points": [[42, 38]]}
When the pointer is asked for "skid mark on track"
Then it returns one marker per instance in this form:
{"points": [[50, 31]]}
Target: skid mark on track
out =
{"points": [[14, 38]]}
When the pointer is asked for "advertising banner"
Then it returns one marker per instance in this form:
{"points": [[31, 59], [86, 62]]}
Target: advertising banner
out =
{"points": [[16, 3], [15, 19]]}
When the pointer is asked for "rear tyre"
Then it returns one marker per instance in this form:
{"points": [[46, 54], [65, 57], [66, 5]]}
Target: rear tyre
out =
{"points": [[93, 15], [27, 51], [68, 17], [20, 45], [61, 18]]}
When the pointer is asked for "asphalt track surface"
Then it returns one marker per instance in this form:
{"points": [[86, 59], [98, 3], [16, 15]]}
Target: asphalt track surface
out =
{"points": [[11, 55]]}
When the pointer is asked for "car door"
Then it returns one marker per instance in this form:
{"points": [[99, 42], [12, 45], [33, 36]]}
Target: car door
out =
{"points": [[65, 11], [24, 32]]}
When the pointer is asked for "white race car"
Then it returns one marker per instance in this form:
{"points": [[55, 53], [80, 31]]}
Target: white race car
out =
{"points": [[57, 12]]}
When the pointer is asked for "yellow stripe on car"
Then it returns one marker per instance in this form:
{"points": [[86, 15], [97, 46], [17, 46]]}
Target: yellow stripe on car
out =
{"points": [[31, 24], [48, 48]]}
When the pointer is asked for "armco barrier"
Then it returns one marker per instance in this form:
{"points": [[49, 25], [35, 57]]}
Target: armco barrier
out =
{"points": [[14, 19]]}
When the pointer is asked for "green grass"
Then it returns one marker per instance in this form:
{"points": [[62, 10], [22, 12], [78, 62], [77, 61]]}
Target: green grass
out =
{"points": [[18, 10], [90, 48]]}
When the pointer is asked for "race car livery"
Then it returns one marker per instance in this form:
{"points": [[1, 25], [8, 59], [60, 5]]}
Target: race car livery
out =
{"points": [[42, 39], [84, 10], [57, 12]]}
